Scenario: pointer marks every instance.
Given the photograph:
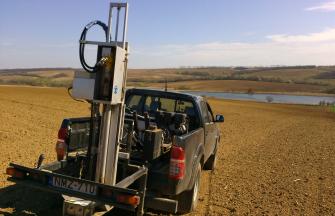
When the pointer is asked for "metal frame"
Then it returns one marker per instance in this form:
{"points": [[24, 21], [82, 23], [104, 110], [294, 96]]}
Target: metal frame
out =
{"points": [[110, 41], [45, 173], [118, 6], [112, 115]]}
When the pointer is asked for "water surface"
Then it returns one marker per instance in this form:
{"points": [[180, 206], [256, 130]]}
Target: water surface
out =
{"points": [[277, 98]]}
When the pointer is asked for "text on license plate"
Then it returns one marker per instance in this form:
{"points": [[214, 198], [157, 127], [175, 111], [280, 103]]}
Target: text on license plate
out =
{"points": [[73, 185]]}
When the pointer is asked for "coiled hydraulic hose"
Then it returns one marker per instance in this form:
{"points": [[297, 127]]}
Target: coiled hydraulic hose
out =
{"points": [[88, 68]]}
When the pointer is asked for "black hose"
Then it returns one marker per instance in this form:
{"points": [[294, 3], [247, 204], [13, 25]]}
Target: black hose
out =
{"points": [[69, 89], [91, 156], [88, 68]]}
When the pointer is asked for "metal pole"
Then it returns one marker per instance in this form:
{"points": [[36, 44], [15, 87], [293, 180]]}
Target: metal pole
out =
{"points": [[90, 169], [113, 147], [110, 22], [105, 121], [102, 151], [112, 120], [117, 23], [125, 26]]}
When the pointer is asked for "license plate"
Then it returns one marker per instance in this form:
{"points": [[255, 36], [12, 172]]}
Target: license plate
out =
{"points": [[73, 185]]}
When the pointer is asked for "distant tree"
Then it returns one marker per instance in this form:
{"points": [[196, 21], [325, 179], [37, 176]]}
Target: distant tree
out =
{"points": [[269, 99], [322, 103]]}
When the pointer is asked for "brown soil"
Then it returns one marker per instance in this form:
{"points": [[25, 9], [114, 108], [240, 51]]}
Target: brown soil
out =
{"points": [[273, 159]]}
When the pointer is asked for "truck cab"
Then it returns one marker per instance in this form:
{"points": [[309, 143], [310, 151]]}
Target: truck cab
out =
{"points": [[198, 142]]}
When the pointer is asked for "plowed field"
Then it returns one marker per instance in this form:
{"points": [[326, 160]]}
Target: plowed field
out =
{"points": [[274, 159]]}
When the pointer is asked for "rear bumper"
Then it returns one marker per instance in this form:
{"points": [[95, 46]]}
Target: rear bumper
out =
{"points": [[162, 204], [41, 179], [151, 202], [160, 183]]}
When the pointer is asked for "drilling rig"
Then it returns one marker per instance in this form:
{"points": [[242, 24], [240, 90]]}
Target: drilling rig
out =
{"points": [[104, 85], [92, 174]]}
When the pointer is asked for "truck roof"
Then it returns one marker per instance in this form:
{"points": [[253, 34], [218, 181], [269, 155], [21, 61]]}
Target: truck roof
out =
{"points": [[158, 92]]}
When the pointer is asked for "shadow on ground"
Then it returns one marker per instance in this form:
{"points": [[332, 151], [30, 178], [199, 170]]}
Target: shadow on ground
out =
{"points": [[19, 200]]}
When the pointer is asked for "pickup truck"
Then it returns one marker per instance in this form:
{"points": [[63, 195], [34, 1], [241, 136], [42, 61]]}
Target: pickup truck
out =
{"points": [[167, 139]]}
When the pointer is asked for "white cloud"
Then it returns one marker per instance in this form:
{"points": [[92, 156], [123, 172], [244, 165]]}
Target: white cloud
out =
{"points": [[324, 36], [282, 49], [315, 48], [327, 6]]}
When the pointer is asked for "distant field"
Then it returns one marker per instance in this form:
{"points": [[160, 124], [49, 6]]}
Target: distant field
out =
{"points": [[37, 77], [317, 75], [240, 86], [298, 79]]}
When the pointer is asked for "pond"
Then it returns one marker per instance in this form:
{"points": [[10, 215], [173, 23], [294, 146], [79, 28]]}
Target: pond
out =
{"points": [[276, 98]]}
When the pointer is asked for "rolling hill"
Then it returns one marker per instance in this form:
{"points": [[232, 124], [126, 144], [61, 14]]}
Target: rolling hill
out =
{"points": [[295, 79]]}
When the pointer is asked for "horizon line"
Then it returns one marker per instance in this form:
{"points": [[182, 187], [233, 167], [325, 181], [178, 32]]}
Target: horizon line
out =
{"points": [[180, 67]]}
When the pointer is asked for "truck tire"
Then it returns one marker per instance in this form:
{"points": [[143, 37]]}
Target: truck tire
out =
{"points": [[211, 161], [188, 200]]}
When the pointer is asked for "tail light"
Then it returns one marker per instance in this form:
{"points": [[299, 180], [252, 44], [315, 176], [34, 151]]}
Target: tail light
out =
{"points": [[177, 163], [61, 147], [15, 173], [133, 200], [62, 133]]}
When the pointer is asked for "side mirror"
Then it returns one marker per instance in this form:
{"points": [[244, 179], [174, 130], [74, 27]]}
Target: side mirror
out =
{"points": [[219, 118]]}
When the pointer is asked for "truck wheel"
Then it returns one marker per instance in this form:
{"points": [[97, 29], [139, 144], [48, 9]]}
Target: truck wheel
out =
{"points": [[211, 161], [188, 200]]}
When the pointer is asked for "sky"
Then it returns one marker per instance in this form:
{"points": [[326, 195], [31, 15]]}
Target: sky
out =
{"points": [[174, 33]]}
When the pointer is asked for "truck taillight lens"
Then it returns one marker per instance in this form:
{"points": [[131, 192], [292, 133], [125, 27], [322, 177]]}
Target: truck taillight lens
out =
{"points": [[62, 133], [15, 173], [133, 200], [61, 143], [177, 163], [60, 149]]}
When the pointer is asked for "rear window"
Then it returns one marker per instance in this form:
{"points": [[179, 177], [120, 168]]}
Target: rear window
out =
{"points": [[151, 104], [184, 106], [167, 104], [154, 103], [134, 101]]}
